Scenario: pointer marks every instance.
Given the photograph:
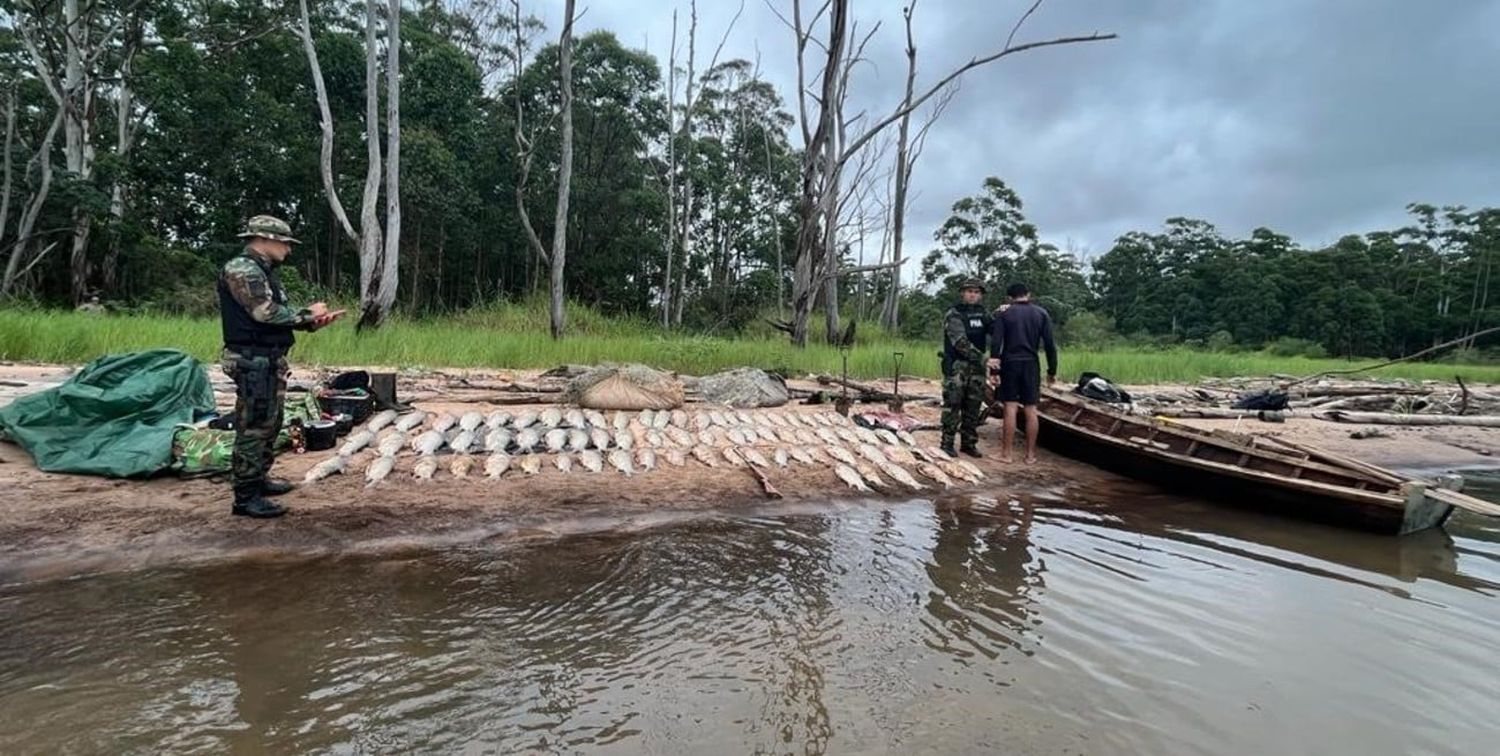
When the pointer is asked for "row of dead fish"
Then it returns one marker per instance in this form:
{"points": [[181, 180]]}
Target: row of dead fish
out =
{"points": [[585, 419]]}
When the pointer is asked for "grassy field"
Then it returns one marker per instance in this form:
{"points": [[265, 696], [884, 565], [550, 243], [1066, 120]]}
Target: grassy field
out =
{"points": [[515, 336]]}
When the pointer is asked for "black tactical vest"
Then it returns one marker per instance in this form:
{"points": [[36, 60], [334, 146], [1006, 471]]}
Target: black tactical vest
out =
{"points": [[241, 330], [976, 328]]}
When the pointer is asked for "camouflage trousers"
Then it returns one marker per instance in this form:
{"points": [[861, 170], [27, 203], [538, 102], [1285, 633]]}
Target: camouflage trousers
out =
{"points": [[260, 393], [963, 403]]}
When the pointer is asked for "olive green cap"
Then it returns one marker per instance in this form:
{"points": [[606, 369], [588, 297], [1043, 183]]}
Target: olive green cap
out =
{"points": [[269, 227]]}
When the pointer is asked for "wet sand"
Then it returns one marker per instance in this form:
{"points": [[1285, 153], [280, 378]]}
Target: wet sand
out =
{"points": [[64, 524]]}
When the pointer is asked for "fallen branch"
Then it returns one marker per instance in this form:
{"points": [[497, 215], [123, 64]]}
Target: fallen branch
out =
{"points": [[1463, 405], [1429, 350], [1391, 418], [765, 483]]}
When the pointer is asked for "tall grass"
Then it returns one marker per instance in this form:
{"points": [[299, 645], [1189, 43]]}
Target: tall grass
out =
{"points": [[515, 336]]}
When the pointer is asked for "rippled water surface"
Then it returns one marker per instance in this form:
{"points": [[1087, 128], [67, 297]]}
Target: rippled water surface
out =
{"points": [[1147, 624]]}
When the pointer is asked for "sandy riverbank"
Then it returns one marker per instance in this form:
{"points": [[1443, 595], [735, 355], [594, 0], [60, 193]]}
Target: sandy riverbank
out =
{"points": [[63, 524]]}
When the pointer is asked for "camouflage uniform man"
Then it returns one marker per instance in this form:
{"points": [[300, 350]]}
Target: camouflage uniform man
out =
{"points": [[258, 327], [966, 330]]}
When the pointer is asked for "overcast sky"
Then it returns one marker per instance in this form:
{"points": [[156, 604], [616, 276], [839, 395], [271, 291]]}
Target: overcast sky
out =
{"points": [[1313, 117]]}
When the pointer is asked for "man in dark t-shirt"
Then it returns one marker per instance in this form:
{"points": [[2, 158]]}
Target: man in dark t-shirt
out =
{"points": [[1018, 333]]}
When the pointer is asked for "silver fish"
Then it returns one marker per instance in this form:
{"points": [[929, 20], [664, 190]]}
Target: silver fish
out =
{"points": [[591, 460], [704, 454], [661, 420], [595, 418], [973, 469], [556, 439], [871, 453], [574, 418], [934, 472], [775, 420], [527, 439], [620, 459], [826, 419], [708, 437], [551, 417], [956, 470], [680, 437], [818, 455], [461, 465], [733, 457], [675, 457], [330, 466], [841, 454], [564, 463], [646, 417], [766, 434], [718, 418], [378, 469], [428, 443], [887, 436], [801, 455], [866, 435], [646, 458], [837, 419], [624, 439], [578, 440], [654, 437], [701, 421], [380, 420], [356, 442], [906, 438], [871, 475], [499, 440], [936, 453], [497, 464], [736, 438], [763, 418], [497, 419], [849, 437], [391, 445], [411, 420], [780, 457], [742, 417], [443, 422], [531, 464], [525, 419], [471, 420], [901, 476], [850, 477], [463, 442], [829, 437], [679, 419], [621, 421], [755, 458], [599, 437], [899, 455], [424, 468]]}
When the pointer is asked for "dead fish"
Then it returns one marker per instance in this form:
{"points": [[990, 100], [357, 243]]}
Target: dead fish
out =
{"points": [[866, 435], [411, 420], [578, 440], [497, 419], [621, 422], [624, 439], [378, 469], [733, 457], [646, 458], [391, 445], [763, 418], [821, 418], [841, 454], [887, 436], [704, 454], [735, 437], [679, 419], [718, 418], [531, 464], [595, 418], [527, 439], [424, 468], [798, 419], [701, 421], [766, 434], [973, 469], [599, 437], [936, 453], [330, 466], [801, 455], [654, 437], [620, 460], [550, 418], [817, 455], [708, 437], [837, 419], [591, 460], [829, 437], [754, 457], [932, 471], [356, 443], [848, 436], [497, 464], [556, 439], [380, 420], [899, 455], [901, 476], [777, 420], [461, 465], [675, 457], [564, 463], [742, 417], [786, 436], [662, 419], [872, 453], [851, 478], [574, 418], [471, 420], [646, 417], [956, 470], [679, 437], [499, 440], [525, 419], [906, 438], [443, 422], [428, 443], [871, 475], [780, 457], [463, 442]]}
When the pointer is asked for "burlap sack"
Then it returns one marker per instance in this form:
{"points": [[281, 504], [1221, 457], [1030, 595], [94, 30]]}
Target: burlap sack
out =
{"points": [[625, 387]]}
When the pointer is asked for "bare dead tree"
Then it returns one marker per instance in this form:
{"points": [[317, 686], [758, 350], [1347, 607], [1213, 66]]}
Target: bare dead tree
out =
{"points": [[671, 241], [378, 303], [126, 127], [41, 163], [10, 143], [325, 154], [370, 248]]}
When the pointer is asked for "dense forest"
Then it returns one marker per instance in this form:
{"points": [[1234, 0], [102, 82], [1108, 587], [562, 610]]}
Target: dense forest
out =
{"points": [[691, 192]]}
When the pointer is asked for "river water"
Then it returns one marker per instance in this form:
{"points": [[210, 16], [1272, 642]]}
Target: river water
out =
{"points": [[1143, 624]]}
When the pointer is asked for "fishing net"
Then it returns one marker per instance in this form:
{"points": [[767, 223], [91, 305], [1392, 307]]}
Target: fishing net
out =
{"points": [[625, 387], [744, 387]]}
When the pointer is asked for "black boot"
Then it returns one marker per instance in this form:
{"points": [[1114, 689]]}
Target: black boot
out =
{"points": [[277, 487], [947, 446], [248, 502], [971, 450]]}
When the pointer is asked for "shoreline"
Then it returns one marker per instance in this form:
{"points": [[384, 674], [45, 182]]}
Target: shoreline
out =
{"points": [[54, 526]]}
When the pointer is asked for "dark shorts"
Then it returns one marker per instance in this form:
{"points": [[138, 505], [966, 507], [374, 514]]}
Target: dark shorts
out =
{"points": [[1020, 382]]}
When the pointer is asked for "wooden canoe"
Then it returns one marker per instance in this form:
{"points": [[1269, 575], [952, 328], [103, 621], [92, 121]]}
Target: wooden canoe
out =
{"points": [[1253, 471]]}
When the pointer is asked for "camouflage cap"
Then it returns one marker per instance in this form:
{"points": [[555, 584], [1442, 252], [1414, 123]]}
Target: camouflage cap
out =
{"points": [[972, 283], [269, 227]]}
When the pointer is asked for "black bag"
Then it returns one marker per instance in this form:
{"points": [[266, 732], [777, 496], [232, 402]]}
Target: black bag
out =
{"points": [[1269, 399], [1097, 387]]}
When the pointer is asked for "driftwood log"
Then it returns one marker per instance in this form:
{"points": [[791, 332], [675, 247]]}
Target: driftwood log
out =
{"points": [[1392, 418]]}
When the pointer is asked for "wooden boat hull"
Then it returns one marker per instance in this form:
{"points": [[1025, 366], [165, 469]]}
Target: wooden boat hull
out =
{"points": [[1202, 464]]}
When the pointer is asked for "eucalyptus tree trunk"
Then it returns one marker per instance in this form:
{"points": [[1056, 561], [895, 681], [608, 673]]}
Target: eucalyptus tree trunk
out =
{"points": [[564, 174], [370, 250]]}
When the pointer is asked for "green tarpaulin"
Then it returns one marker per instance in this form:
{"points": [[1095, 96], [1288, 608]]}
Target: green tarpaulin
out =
{"points": [[116, 417]]}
